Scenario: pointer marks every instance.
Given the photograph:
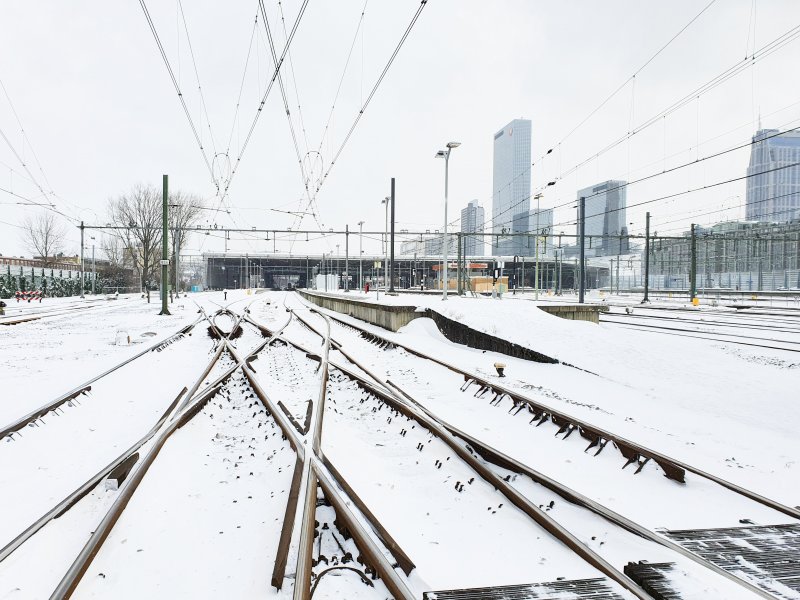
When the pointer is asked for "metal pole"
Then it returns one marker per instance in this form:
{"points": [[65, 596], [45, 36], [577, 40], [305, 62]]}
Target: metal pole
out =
{"points": [[537, 246], [94, 271], [458, 268], [385, 240], [391, 247], [582, 235], [693, 267], [444, 239], [617, 278], [82, 276], [523, 274], [646, 258], [177, 251], [360, 256], [164, 249], [347, 258], [611, 278]]}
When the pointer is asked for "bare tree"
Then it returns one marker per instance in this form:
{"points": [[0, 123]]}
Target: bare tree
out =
{"points": [[184, 212], [44, 236], [138, 214], [114, 250]]}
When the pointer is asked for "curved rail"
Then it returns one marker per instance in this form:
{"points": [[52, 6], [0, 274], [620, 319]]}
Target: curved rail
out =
{"points": [[539, 516], [672, 467], [494, 456]]}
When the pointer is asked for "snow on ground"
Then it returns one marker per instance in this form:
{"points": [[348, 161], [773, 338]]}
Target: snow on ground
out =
{"points": [[709, 403], [41, 359], [49, 460], [716, 405], [465, 532], [207, 517]]}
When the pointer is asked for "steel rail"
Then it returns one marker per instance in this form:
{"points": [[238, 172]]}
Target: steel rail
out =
{"points": [[366, 544], [304, 571], [174, 420], [625, 318], [539, 516], [491, 455], [66, 587], [70, 501], [765, 326], [500, 459], [53, 312], [86, 385], [673, 467]]}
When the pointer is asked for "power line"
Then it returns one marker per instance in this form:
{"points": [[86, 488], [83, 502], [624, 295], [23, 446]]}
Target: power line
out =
{"points": [[177, 88], [769, 48], [372, 92], [264, 99], [197, 78]]}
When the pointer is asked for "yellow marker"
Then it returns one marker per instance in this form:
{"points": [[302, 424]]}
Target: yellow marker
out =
{"points": [[696, 301]]}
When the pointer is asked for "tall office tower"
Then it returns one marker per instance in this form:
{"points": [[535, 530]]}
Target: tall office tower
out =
{"points": [[511, 187], [472, 218], [605, 217], [773, 188]]}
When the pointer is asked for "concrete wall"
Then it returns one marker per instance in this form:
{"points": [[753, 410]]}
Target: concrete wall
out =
{"points": [[395, 317], [575, 312]]}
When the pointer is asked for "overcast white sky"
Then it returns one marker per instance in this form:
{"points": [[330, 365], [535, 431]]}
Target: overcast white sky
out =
{"points": [[100, 112]]}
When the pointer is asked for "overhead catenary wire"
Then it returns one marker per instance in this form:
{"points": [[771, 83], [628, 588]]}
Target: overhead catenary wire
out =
{"points": [[372, 92], [263, 101], [177, 88], [197, 78]]}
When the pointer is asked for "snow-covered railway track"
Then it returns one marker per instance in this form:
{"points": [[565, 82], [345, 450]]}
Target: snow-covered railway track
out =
{"points": [[355, 434], [52, 406], [714, 321], [765, 583], [727, 337], [84, 501], [26, 316], [328, 507]]}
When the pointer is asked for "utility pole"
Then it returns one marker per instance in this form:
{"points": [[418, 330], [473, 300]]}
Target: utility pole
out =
{"points": [[94, 271], [360, 256], [391, 246], [617, 274], [693, 267], [582, 224], [164, 249], [82, 272], [177, 246], [458, 267], [646, 259], [538, 196], [523, 274], [347, 258], [611, 277]]}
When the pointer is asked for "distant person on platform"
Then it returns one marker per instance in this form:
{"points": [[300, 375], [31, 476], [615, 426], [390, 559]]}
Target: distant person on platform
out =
{"points": [[225, 294]]}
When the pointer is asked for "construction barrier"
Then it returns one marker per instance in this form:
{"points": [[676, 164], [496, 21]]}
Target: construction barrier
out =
{"points": [[29, 295]]}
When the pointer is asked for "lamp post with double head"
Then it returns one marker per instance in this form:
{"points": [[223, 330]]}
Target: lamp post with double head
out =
{"points": [[445, 154]]}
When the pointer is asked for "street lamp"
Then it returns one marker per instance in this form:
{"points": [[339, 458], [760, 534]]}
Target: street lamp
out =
{"points": [[445, 154], [386, 202], [360, 255], [94, 271]]}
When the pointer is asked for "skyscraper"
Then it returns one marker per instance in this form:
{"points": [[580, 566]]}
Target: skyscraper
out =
{"points": [[605, 217], [511, 187], [773, 195], [472, 218]]}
